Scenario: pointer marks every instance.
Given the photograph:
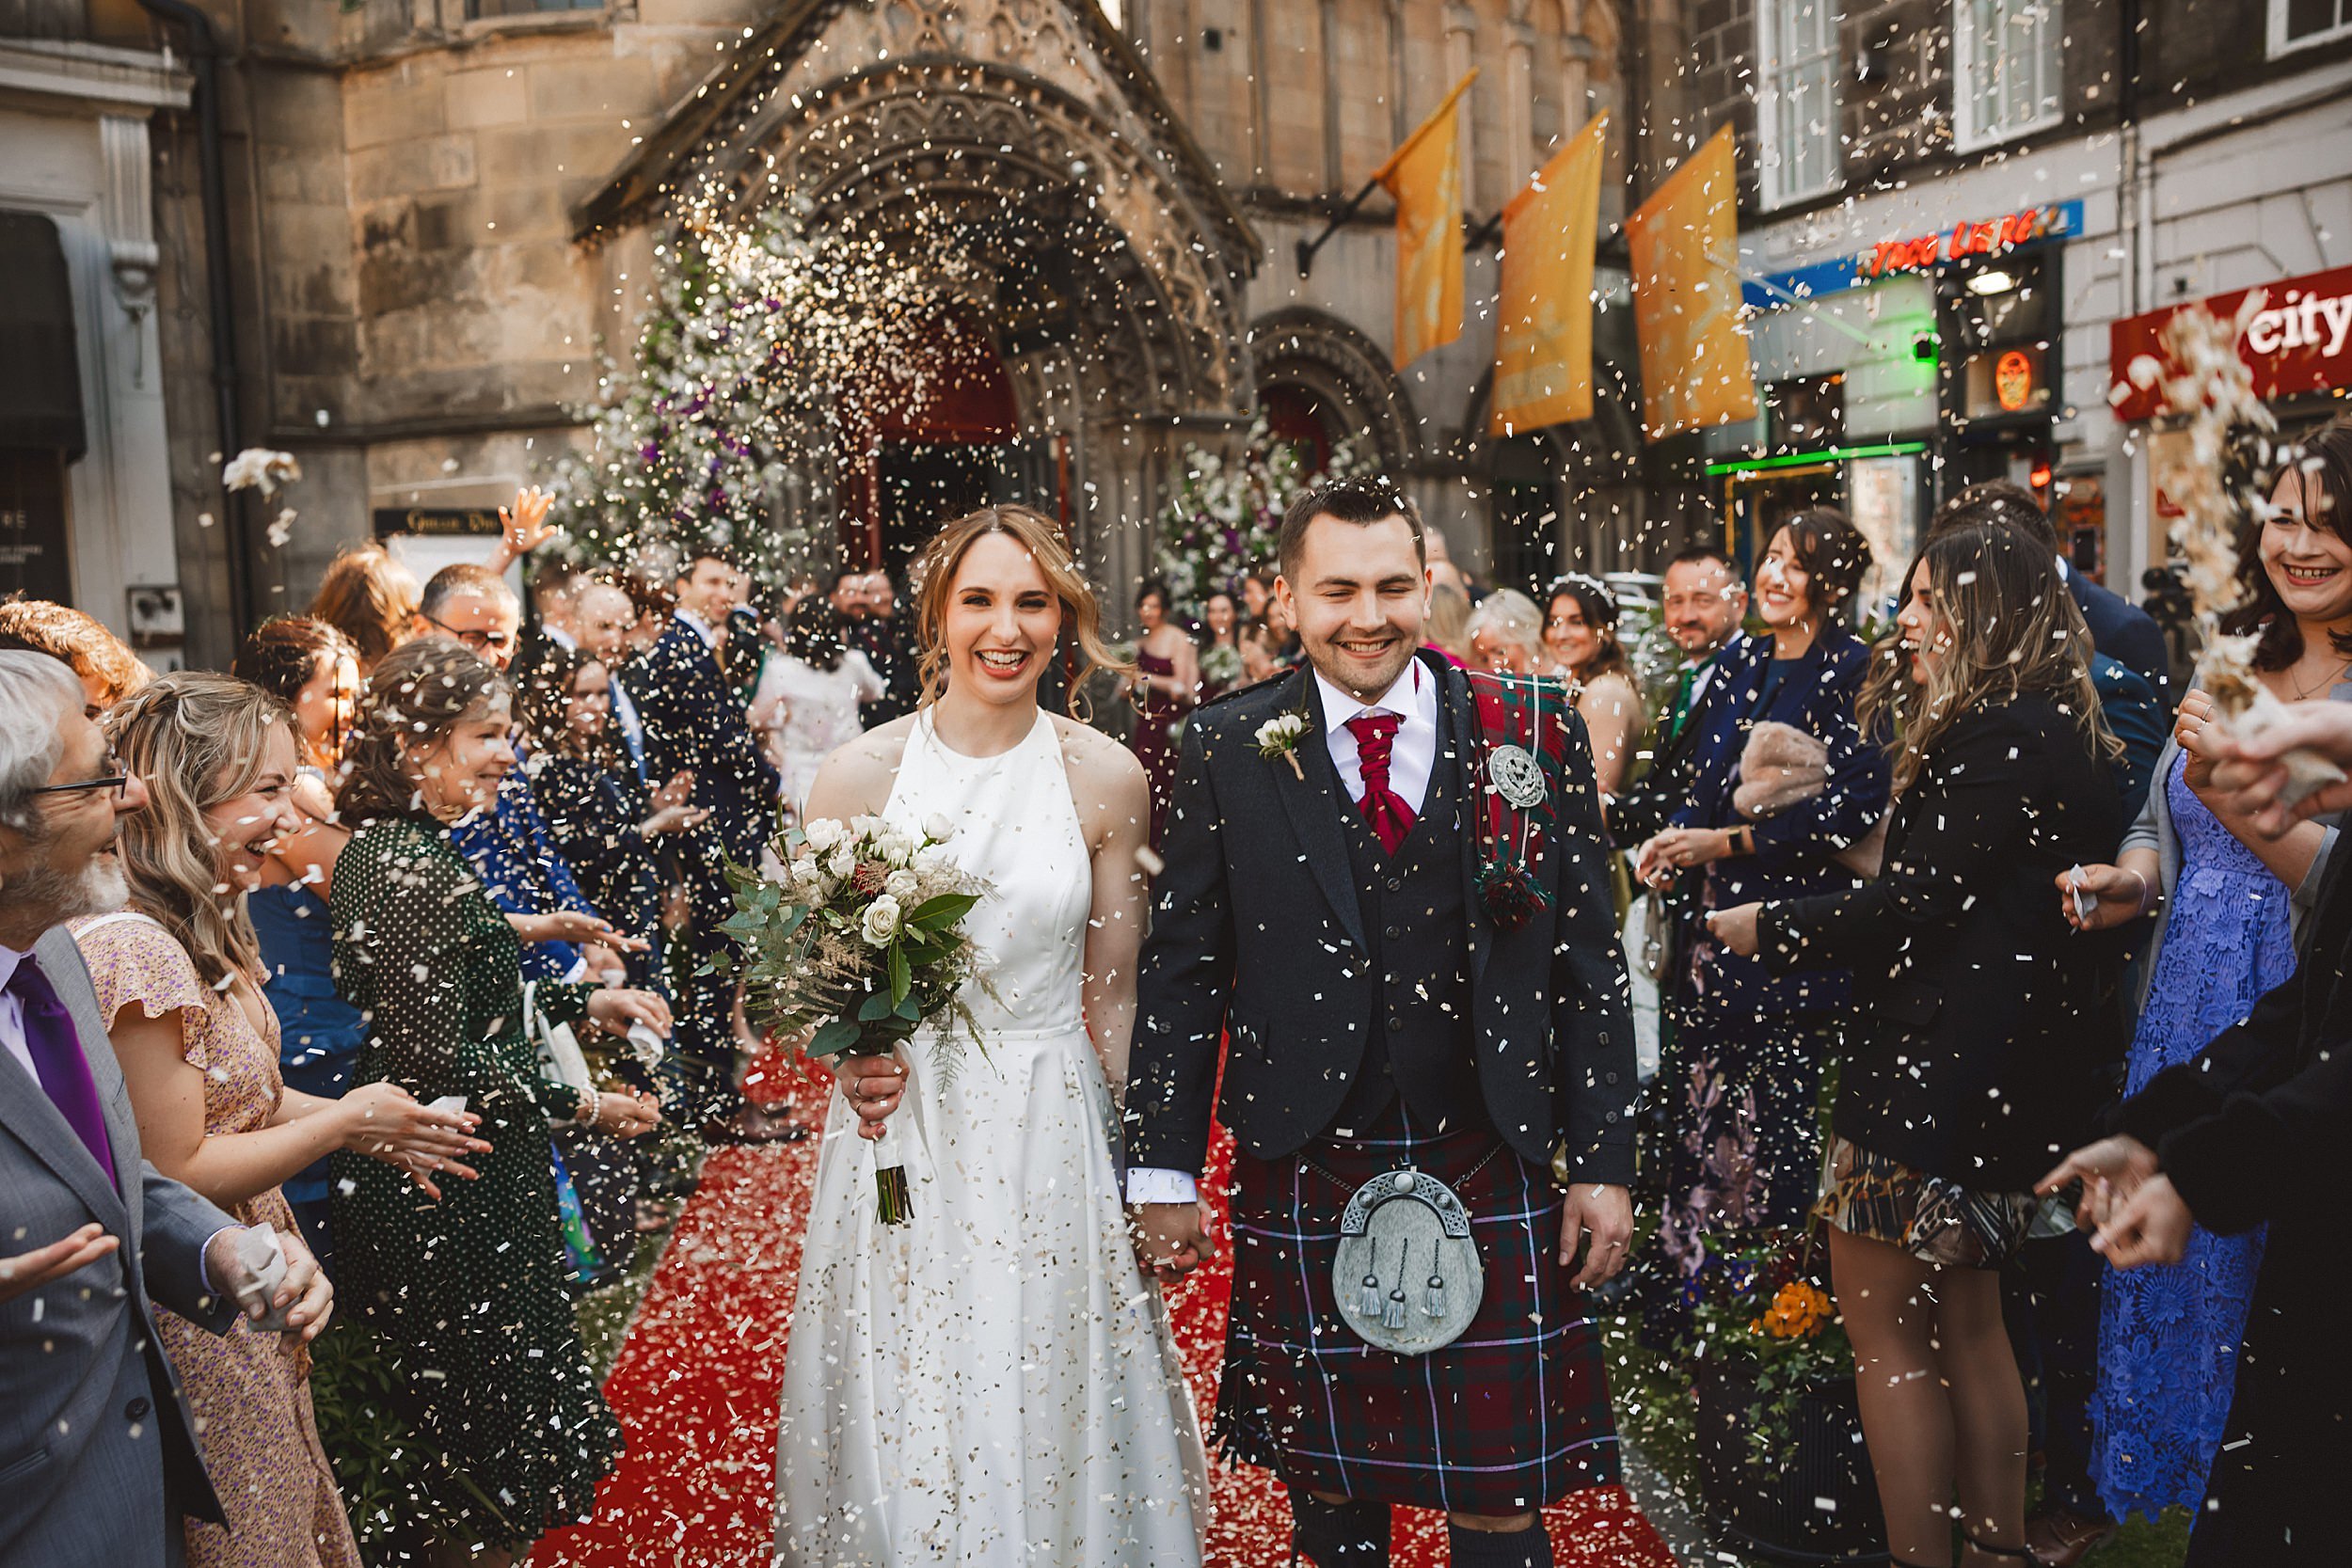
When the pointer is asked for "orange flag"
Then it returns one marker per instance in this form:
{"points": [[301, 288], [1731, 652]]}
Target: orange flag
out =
{"points": [[1426, 177], [1696, 370], [1544, 318]]}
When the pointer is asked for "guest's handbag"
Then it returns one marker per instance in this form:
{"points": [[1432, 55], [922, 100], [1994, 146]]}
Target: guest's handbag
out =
{"points": [[1782, 766], [1408, 1278]]}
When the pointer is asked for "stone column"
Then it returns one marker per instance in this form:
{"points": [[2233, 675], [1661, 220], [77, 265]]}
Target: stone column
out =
{"points": [[1461, 52], [1521, 157]]}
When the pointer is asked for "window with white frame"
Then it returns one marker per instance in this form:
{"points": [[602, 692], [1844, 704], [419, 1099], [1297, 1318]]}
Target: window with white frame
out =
{"points": [[1796, 106], [2005, 70], [2299, 24]]}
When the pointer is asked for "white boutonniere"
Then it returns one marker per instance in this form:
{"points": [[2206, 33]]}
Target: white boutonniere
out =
{"points": [[1279, 738]]}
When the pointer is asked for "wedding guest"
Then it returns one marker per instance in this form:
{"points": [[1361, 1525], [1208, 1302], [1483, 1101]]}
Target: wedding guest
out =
{"points": [[1165, 685], [368, 596], [880, 633], [2231, 904], [1984, 1028], [1219, 644], [2248, 1135], [84, 1382], [1753, 1043], [1447, 629], [608, 829], [1257, 593], [314, 670], [565, 937], [1702, 604], [2135, 710], [653, 605], [694, 725], [1581, 637], [2119, 628], [1261, 652], [108, 670], [1506, 632], [604, 617], [177, 974], [471, 1284], [809, 696]]}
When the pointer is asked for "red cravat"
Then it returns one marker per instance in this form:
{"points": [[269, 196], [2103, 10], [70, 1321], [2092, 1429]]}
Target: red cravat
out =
{"points": [[1383, 807]]}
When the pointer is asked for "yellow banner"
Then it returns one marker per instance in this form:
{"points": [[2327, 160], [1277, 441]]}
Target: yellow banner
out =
{"points": [[1426, 177], [1544, 315], [1696, 370]]}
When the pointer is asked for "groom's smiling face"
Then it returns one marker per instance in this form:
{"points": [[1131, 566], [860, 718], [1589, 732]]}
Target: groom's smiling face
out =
{"points": [[1358, 598]]}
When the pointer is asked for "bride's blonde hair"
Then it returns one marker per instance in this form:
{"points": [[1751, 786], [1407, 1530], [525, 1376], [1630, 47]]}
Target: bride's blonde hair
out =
{"points": [[935, 574]]}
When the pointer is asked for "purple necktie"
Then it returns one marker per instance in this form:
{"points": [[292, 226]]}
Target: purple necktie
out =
{"points": [[55, 1047]]}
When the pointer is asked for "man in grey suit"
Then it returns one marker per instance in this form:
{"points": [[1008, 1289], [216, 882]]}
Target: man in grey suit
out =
{"points": [[98, 1459]]}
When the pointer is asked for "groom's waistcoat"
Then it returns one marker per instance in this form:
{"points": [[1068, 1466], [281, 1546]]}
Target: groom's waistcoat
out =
{"points": [[1419, 1039]]}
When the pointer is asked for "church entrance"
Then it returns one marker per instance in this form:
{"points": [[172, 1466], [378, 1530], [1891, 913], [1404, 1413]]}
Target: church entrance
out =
{"points": [[939, 436]]}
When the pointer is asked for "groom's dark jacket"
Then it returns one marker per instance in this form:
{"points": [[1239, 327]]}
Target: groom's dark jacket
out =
{"points": [[1257, 934]]}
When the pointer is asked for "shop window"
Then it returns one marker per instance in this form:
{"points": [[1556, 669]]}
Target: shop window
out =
{"points": [[1796, 113], [2300, 23], [2005, 70]]}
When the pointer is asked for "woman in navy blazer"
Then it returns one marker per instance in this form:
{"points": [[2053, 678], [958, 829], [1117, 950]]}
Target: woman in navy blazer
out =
{"points": [[1749, 1046]]}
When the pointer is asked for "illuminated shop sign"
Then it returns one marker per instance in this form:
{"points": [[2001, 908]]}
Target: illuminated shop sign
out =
{"points": [[1918, 253], [2299, 343]]}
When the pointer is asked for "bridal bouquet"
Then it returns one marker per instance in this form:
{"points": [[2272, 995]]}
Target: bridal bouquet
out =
{"points": [[861, 940]]}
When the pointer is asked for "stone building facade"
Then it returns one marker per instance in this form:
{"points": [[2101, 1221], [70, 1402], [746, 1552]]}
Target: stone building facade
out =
{"points": [[439, 212]]}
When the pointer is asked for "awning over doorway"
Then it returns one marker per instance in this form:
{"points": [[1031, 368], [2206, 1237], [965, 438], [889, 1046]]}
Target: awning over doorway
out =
{"points": [[40, 380]]}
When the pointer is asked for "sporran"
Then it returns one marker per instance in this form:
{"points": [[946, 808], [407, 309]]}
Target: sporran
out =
{"points": [[1407, 1277]]}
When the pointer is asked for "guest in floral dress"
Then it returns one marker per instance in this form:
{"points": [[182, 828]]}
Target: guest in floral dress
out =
{"points": [[466, 1294], [178, 977]]}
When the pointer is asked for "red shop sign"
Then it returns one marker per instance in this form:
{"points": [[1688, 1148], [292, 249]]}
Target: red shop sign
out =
{"points": [[2300, 340]]}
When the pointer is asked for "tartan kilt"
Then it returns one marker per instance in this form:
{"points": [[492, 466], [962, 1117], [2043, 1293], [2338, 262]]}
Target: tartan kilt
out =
{"points": [[1510, 1416]]}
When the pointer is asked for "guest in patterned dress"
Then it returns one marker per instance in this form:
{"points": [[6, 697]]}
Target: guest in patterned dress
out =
{"points": [[177, 974], [466, 1292]]}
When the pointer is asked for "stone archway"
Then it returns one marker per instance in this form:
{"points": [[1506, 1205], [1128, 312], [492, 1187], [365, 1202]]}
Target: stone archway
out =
{"points": [[1120, 329], [1345, 374]]}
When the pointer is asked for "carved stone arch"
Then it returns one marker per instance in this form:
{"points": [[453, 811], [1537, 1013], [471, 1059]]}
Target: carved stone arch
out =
{"points": [[1346, 373], [1076, 235], [1595, 468]]}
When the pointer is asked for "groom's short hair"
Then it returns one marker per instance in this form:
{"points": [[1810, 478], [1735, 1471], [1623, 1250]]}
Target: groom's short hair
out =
{"points": [[1361, 501]]}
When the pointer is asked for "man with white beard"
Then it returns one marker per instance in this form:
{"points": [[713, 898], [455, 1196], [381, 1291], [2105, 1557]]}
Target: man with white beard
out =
{"points": [[86, 1397]]}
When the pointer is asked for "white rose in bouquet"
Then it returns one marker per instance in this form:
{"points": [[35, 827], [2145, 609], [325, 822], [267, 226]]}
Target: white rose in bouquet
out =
{"points": [[902, 885], [896, 849], [825, 834], [938, 829], [842, 863], [881, 921]]}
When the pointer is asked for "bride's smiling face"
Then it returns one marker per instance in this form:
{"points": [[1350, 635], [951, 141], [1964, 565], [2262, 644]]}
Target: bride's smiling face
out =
{"points": [[1001, 623]]}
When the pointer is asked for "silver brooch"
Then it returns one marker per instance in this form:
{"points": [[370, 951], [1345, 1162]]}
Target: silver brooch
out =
{"points": [[1518, 778]]}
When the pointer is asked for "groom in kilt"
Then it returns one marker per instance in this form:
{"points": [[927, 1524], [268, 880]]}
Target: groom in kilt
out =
{"points": [[1386, 908]]}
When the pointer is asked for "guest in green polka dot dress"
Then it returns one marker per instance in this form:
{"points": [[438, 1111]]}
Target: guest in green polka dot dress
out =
{"points": [[468, 1292]]}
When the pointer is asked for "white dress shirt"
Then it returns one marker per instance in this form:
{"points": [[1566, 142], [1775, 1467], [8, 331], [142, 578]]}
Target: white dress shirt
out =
{"points": [[12, 1015], [1412, 758], [700, 627]]}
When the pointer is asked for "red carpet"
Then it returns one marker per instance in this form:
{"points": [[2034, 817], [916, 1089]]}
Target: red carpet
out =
{"points": [[696, 1388]]}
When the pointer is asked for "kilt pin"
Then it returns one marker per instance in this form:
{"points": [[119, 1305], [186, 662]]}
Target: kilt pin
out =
{"points": [[1371, 1014]]}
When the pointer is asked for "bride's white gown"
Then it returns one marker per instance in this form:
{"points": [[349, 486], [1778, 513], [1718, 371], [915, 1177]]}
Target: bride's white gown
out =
{"points": [[995, 1382]]}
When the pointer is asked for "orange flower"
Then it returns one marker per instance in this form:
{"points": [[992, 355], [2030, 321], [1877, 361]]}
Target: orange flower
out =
{"points": [[1798, 1312]]}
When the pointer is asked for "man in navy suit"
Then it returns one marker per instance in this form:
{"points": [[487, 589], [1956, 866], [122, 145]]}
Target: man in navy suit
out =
{"points": [[686, 698]]}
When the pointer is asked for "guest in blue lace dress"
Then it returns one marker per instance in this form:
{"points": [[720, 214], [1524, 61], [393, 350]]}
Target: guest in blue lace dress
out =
{"points": [[2233, 906]]}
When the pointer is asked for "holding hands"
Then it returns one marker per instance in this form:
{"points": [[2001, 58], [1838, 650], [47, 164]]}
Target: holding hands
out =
{"points": [[1171, 1239], [1679, 849], [671, 812]]}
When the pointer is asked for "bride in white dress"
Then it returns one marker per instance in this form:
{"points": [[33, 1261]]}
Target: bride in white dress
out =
{"points": [[995, 1380]]}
